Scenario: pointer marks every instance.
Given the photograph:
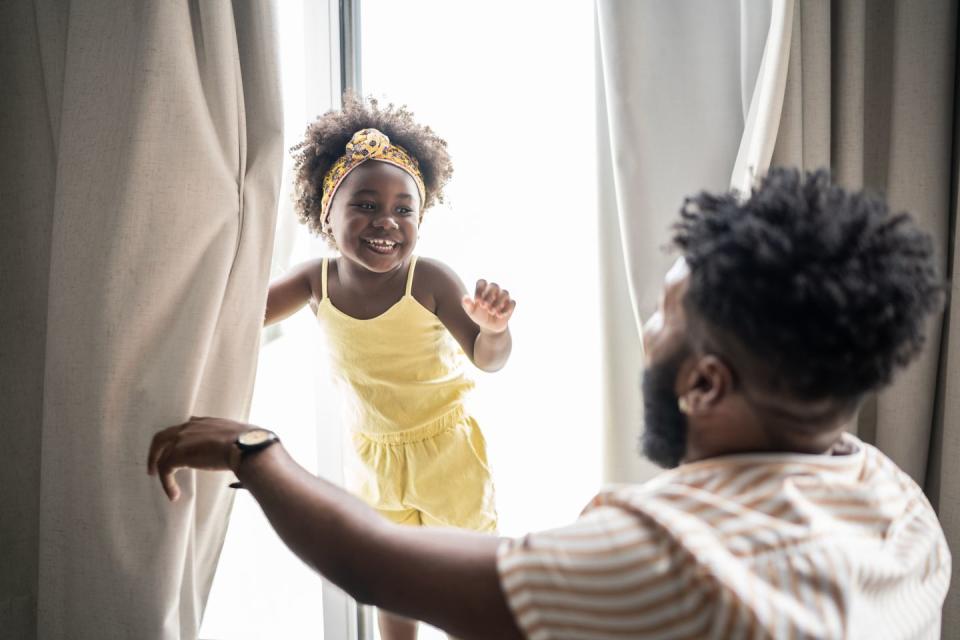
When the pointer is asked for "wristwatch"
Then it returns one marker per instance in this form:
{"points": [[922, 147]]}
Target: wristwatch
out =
{"points": [[255, 440], [250, 442]]}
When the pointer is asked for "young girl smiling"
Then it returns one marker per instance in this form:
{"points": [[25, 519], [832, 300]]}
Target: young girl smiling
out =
{"points": [[398, 328]]}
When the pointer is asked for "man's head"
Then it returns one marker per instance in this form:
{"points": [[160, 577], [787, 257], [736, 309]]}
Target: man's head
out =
{"points": [[784, 311]]}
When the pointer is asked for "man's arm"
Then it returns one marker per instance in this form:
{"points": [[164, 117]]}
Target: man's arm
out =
{"points": [[447, 578]]}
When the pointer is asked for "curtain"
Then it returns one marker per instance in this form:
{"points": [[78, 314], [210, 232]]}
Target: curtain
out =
{"points": [[690, 95], [866, 88], [139, 185], [871, 94]]}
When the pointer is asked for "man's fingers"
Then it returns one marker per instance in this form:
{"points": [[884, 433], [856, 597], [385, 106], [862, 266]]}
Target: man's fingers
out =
{"points": [[166, 469], [175, 456], [157, 449], [159, 444], [164, 459], [169, 483]]}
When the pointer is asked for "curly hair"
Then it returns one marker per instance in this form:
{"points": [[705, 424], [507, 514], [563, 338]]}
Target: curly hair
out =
{"points": [[825, 286], [326, 138]]}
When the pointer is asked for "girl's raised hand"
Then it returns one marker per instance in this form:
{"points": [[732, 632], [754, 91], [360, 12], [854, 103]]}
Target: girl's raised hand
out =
{"points": [[490, 307]]}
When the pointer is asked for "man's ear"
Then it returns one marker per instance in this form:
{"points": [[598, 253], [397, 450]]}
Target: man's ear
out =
{"points": [[704, 385]]}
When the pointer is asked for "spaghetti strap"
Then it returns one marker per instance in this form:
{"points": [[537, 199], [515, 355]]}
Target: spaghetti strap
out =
{"points": [[413, 264], [323, 280]]}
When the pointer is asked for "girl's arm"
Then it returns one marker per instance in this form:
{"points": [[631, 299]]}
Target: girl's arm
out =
{"points": [[477, 322], [290, 292]]}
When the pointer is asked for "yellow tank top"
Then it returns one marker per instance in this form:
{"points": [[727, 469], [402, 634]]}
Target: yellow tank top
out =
{"points": [[400, 371]]}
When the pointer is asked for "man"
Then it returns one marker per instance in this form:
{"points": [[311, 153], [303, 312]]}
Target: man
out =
{"points": [[784, 311]]}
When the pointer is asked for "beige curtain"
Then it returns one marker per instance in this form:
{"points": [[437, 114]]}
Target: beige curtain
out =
{"points": [[141, 165], [871, 93], [690, 95], [868, 89]]}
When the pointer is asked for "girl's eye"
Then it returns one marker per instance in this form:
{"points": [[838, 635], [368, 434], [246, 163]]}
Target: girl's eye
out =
{"points": [[404, 211], [366, 206]]}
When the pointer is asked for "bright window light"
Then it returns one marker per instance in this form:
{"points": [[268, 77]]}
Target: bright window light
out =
{"points": [[510, 86]]}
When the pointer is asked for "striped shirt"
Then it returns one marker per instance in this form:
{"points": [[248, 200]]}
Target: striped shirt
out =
{"points": [[744, 546]]}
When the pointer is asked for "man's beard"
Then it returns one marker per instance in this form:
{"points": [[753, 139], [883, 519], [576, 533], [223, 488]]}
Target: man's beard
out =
{"points": [[664, 439]]}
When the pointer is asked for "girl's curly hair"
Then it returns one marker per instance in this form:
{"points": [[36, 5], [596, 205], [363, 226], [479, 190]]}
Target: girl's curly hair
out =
{"points": [[326, 138]]}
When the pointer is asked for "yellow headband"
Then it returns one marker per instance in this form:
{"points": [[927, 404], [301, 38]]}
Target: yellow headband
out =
{"points": [[367, 144]]}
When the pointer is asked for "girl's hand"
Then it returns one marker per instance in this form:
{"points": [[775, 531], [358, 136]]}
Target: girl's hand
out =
{"points": [[490, 307]]}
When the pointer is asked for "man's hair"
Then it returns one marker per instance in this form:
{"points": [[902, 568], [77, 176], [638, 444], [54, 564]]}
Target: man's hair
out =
{"points": [[325, 141], [825, 287]]}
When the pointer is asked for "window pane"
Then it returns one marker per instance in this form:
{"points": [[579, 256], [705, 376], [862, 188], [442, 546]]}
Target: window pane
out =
{"points": [[510, 85]]}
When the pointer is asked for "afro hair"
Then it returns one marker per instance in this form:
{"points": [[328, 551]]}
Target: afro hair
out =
{"points": [[823, 285], [326, 138]]}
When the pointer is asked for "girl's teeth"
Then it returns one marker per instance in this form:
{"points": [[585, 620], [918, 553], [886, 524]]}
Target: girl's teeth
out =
{"points": [[381, 245]]}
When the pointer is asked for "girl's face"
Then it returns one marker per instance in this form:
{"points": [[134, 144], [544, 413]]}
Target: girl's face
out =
{"points": [[374, 216]]}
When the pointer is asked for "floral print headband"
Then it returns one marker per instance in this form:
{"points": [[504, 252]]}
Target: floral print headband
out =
{"points": [[367, 144]]}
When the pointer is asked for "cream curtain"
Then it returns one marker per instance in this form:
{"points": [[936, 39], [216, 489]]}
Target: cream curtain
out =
{"points": [[139, 188], [865, 87], [690, 96]]}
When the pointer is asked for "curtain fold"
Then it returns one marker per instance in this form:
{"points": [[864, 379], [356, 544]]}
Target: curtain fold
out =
{"points": [[690, 94], [763, 117], [151, 225], [27, 171]]}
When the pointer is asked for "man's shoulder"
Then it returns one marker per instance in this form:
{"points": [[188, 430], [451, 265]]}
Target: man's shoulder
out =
{"points": [[755, 480], [857, 488]]}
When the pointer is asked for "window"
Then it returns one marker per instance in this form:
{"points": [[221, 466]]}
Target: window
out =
{"points": [[509, 85]]}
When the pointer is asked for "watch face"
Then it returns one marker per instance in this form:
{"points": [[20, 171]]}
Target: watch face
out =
{"points": [[254, 437]]}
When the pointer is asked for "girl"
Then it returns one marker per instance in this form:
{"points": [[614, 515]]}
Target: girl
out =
{"points": [[397, 327]]}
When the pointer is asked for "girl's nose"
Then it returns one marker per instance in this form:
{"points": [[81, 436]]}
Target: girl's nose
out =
{"points": [[385, 222]]}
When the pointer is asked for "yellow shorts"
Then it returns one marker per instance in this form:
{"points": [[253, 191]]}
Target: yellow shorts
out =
{"points": [[436, 475]]}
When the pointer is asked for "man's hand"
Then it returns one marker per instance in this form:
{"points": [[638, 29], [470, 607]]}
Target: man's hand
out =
{"points": [[490, 307], [347, 541], [201, 443]]}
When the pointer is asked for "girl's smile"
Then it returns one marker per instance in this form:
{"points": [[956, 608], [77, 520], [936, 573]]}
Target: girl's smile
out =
{"points": [[381, 245]]}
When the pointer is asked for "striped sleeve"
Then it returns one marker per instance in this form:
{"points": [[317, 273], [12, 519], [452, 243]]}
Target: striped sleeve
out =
{"points": [[608, 575]]}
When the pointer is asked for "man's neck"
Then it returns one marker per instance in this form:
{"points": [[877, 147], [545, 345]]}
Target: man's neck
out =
{"points": [[744, 429]]}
